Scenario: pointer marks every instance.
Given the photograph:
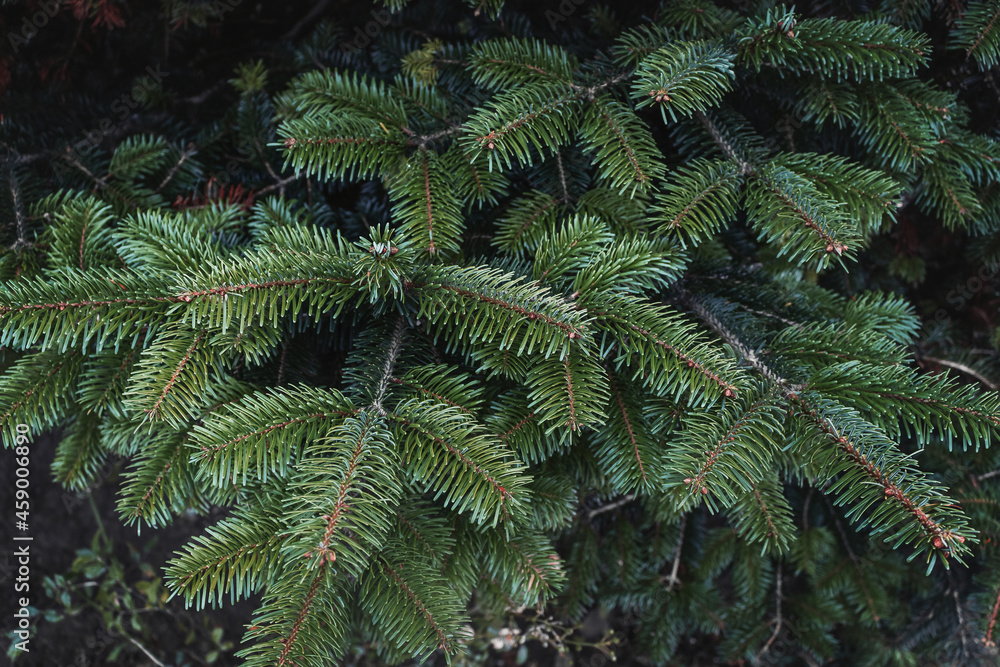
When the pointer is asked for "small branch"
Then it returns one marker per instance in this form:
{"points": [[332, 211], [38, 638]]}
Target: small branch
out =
{"points": [[777, 618], [589, 93], [562, 178], [723, 145], [961, 622], [280, 185], [79, 165], [987, 475], [624, 500], [962, 368], [808, 659], [15, 194], [146, 651], [267, 163], [775, 316], [309, 18], [805, 508], [173, 170], [395, 346], [205, 94], [281, 364], [673, 580], [992, 620], [422, 141], [730, 339]]}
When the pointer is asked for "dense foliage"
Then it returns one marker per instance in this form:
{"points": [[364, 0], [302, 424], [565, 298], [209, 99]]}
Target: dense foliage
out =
{"points": [[479, 316]]}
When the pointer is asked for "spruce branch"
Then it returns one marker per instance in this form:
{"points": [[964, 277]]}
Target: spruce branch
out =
{"points": [[393, 349], [496, 346], [21, 238], [672, 579], [745, 353], [724, 145], [778, 620], [842, 532], [628, 427], [992, 618], [562, 178], [968, 370], [188, 152], [610, 507]]}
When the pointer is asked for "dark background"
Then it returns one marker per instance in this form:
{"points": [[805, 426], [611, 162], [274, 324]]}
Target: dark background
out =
{"points": [[64, 80]]}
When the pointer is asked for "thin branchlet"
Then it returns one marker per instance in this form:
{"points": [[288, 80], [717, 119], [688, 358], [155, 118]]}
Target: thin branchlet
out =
{"points": [[393, 349], [734, 342]]}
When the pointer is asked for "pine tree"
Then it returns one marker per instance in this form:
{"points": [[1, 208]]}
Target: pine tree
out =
{"points": [[581, 339]]}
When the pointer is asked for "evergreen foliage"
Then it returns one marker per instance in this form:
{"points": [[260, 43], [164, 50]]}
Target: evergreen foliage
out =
{"points": [[522, 319]]}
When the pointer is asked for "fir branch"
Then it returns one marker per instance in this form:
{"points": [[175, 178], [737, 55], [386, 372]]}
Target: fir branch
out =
{"points": [[778, 620], [342, 495], [467, 462], [260, 433], [406, 598], [746, 353], [610, 507], [727, 148], [672, 579], [21, 238], [138, 510], [939, 536], [155, 409], [992, 618], [968, 370], [443, 642], [393, 348], [628, 425], [289, 641], [526, 220], [528, 418], [650, 326]]}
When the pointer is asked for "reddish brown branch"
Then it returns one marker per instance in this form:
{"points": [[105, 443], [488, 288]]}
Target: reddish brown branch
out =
{"points": [[993, 619], [208, 452], [288, 641], [177, 372], [427, 194], [506, 305], [421, 607], [628, 426], [569, 390], [620, 134], [429, 393], [340, 507], [469, 463]]}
